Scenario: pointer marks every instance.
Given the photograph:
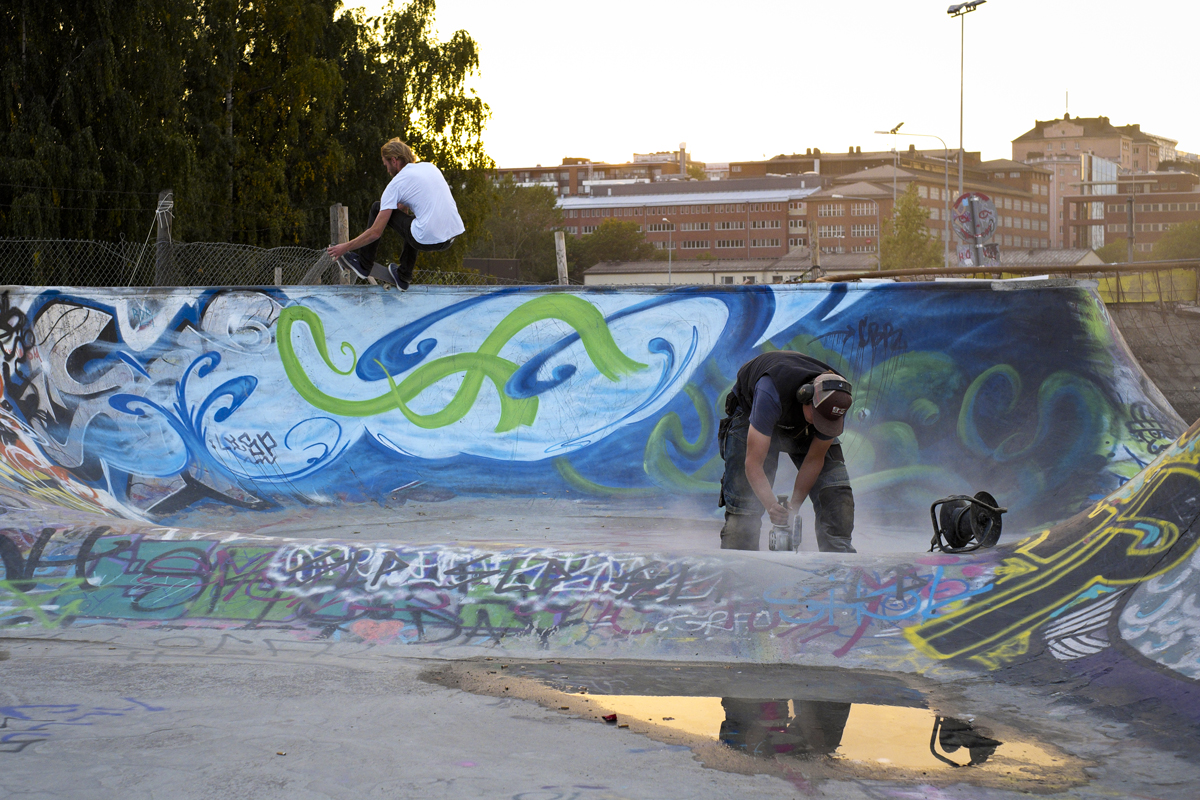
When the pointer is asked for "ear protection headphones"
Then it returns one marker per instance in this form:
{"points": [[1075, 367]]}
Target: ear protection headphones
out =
{"points": [[805, 394]]}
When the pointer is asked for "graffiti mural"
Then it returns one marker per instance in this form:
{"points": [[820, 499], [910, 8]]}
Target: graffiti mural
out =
{"points": [[124, 414], [152, 405]]}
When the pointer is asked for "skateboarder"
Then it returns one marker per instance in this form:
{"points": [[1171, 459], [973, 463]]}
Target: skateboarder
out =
{"points": [[791, 403], [417, 204]]}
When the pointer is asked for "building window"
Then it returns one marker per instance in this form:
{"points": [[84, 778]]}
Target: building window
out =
{"points": [[728, 244], [659, 227], [861, 231], [797, 242], [862, 209], [764, 243], [739, 225], [589, 228], [863, 248], [697, 244], [796, 225], [922, 191], [727, 279], [762, 224], [829, 210], [694, 226], [831, 231]]}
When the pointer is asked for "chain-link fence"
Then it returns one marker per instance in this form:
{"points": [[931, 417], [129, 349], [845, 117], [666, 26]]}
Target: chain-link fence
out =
{"points": [[59, 262]]}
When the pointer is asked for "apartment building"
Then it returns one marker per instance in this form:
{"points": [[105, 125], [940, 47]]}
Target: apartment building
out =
{"points": [[841, 216], [1129, 146], [582, 176], [747, 219], [1143, 208], [770, 217], [855, 160]]}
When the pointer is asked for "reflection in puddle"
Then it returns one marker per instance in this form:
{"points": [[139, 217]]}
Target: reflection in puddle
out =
{"points": [[908, 738], [807, 722]]}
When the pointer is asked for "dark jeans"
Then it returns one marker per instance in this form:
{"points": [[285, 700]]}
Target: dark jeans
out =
{"points": [[766, 729], [401, 223], [832, 499]]}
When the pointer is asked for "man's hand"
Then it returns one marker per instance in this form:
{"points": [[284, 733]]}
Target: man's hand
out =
{"points": [[779, 515], [336, 251]]}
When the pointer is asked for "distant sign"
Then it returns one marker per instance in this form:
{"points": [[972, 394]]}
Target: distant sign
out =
{"points": [[975, 221]]}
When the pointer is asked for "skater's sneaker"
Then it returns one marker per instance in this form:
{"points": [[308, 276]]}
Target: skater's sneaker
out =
{"points": [[354, 262], [394, 271]]}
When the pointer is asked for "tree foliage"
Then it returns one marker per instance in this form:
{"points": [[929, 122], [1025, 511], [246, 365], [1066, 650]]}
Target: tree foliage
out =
{"points": [[259, 115], [520, 224], [905, 242], [1181, 242]]}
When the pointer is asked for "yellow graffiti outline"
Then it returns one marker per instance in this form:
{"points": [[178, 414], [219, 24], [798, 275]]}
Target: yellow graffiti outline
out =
{"points": [[1027, 573]]}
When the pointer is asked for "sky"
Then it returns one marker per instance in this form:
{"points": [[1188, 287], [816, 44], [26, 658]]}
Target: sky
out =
{"points": [[755, 78]]}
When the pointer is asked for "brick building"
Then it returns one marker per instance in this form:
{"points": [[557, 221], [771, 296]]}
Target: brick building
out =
{"points": [[1060, 146], [722, 219], [1152, 203], [582, 176], [770, 217]]}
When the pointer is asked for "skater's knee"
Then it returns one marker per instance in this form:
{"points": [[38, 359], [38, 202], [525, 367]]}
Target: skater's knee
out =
{"points": [[741, 532]]}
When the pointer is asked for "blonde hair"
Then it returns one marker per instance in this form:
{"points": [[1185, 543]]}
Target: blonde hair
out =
{"points": [[394, 148]]}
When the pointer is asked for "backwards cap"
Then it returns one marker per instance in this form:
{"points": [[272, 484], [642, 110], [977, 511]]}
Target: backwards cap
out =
{"points": [[831, 401]]}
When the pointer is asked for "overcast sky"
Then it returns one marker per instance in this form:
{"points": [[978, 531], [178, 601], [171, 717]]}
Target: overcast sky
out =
{"points": [[754, 78]]}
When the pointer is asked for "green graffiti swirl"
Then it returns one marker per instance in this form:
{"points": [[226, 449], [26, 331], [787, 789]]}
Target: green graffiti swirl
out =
{"points": [[581, 315], [657, 461]]}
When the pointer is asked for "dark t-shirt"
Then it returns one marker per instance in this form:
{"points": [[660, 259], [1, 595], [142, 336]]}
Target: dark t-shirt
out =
{"points": [[765, 412]]}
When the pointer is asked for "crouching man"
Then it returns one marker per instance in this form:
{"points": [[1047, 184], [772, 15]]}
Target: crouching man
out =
{"points": [[785, 402]]}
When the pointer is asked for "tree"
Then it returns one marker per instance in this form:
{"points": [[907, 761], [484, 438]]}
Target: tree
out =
{"points": [[1117, 252], [696, 172], [905, 242], [1114, 252], [613, 240], [401, 81], [1179, 243], [258, 114], [520, 224]]}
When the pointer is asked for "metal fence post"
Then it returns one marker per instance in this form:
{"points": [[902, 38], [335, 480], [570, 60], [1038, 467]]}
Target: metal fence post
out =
{"points": [[163, 217]]}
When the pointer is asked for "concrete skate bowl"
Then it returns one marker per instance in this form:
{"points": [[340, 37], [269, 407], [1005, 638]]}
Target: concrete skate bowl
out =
{"points": [[147, 434]]}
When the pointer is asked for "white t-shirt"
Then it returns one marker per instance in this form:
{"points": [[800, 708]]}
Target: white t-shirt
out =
{"points": [[422, 188]]}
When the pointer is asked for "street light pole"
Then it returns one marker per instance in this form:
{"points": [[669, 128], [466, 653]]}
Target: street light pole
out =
{"points": [[878, 227], [945, 187], [670, 241], [960, 10]]}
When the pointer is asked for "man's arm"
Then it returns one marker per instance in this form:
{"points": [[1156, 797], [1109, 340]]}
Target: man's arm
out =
{"points": [[810, 468], [757, 446], [372, 233]]}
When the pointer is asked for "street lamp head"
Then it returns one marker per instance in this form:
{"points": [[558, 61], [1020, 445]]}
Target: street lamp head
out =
{"points": [[958, 9], [665, 219], [897, 128]]}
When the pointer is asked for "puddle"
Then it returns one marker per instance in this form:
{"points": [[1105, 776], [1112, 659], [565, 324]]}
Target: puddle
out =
{"points": [[800, 724]]}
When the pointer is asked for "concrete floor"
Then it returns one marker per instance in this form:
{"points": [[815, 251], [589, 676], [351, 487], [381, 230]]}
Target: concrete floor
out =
{"points": [[240, 714]]}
